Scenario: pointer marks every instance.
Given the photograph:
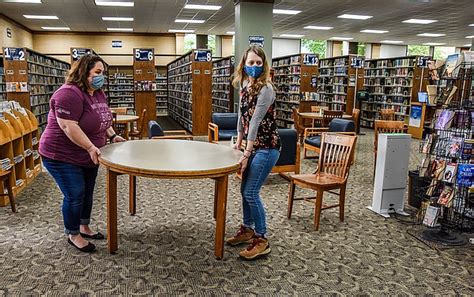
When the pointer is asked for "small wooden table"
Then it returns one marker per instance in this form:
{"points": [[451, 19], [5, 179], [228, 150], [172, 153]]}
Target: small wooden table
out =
{"points": [[127, 120], [168, 159]]}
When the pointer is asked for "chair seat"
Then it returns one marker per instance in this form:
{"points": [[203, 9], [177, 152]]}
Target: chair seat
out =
{"points": [[227, 134], [314, 141], [319, 179]]}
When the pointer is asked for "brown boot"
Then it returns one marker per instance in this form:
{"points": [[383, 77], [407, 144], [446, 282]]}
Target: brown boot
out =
{"points": [[243, 235], [256, 249]]}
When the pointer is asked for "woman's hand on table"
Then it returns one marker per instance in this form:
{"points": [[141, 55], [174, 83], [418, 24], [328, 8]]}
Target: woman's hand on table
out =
{"points": [[118, 138]]}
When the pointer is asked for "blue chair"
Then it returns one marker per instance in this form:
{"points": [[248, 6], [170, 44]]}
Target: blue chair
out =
{"points": [[222, 127], [289, 160], [156, 132]]}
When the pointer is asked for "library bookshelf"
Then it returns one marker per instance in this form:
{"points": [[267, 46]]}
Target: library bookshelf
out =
{"points": [[222, 89]]}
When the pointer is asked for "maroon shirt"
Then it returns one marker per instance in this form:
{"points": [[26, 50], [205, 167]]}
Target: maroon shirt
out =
{"points": [[91, 112]]}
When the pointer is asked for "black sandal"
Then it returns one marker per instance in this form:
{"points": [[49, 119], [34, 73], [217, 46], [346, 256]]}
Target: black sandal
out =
{"points": [[97, 236], [89, 248]]}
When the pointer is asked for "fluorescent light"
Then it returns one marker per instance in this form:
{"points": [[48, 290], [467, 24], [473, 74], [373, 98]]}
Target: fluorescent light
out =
{"points": [[318, 28], [374, 31], [230, 32], [203, 7], [391, 41], [341, 38], [189, 21], [286, 11], [113, 3], [355, 16], [431, 34], [470, 36], [123, 19], [467, 45], [471, 25], [180, 31], [291, 35], [23, 1], [419, 21], [120, 29], [56, 28], [41, 17], [434, 43]]}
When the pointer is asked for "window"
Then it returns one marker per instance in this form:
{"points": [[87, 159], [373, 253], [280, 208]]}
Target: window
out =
{"points": [[189, 42], [314, 46], [211, 44], [442, 52], [421, 50]]}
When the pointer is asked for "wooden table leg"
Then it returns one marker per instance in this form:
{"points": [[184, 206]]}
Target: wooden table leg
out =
{"points": [[132, 207], [127, 131], [221, 193], [112, 210], [215, 198]]}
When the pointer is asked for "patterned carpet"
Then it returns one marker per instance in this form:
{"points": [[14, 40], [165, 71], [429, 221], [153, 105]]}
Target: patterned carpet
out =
{"points": [[167, 248]]}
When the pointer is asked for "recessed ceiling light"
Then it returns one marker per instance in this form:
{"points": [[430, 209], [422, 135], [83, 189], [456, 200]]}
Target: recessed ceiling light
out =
{"points": [[374, 31], [180, 31], [123, 19], [203, 7], [318, 28], [56, 28], [23, 1], [113, 3], [41, 17], [419, 21], [291, 35], [471, 25], [431, 34], [286, 11], [470, 36], [434, 43], [230, 32], [120, 29], [189, 21], [341, 38], [391, 41], [468, 45], [355, 16]]}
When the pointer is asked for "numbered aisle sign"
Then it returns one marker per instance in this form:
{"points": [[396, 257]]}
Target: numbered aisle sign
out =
{"points": [[357, 62], [423, 62], [310, 59], [202, 56], [14, 53], [77, 53], [144, 54]]}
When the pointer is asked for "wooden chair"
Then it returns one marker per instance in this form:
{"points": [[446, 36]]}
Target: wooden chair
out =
{"points": [[386, 127], [7, 179], [140, 131], [332, 173], [298, 125], [387, 114], [212, 133], [119, 110], [328, 115], [355, 118]]}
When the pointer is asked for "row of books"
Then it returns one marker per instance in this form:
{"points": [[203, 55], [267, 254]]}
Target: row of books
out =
{"points": [[399, 62], [47, 61]]}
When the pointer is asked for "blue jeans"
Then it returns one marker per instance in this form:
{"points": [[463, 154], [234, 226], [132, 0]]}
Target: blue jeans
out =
{"points": [[259, 166], [77, 184]]}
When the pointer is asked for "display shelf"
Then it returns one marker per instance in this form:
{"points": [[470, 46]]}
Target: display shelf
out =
{"points": [[161, 92], [392, 83], [222, 89], [189, 90], [292, 78]]}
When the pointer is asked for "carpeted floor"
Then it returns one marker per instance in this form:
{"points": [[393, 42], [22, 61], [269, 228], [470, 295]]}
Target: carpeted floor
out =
{"points": [[167, 248]]}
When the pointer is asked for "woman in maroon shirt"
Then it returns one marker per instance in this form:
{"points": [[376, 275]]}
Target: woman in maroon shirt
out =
{"points": [[79, 123]]}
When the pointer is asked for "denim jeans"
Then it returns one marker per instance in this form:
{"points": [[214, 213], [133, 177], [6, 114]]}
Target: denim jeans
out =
{"points": [[259, 166], [77, 184]]}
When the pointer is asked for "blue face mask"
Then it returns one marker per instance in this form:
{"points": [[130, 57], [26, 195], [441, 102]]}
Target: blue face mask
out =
{"points": [[97, 81], [253, 71]]}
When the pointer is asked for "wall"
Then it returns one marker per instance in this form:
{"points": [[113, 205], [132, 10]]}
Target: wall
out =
{"points": [[388, 51], [227, 46], [285, 47], [59, 44], [20, 37]]}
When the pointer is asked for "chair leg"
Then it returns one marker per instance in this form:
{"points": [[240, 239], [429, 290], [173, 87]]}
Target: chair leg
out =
{"points": [[317, 209], [8, 186], [342, 201], [291, 195]]}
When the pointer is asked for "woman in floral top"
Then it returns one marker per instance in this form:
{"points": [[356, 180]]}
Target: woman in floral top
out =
{"points": [[257, 126]]}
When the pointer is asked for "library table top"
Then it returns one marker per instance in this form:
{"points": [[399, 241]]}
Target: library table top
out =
{"points": [[170, 158], [318, 116], [123, 119]]}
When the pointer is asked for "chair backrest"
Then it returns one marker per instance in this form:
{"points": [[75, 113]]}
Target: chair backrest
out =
{"points": [[225, 121], [154, 129], [315, 108], [114, 121], [289, 143], [119, 110], [387, 127], [341, 125], [328, 115], [336, 153], [387, 114], [141, 123]]}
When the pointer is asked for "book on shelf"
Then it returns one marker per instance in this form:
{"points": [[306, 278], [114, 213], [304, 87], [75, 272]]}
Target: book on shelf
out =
{"points": [[467, 149], [431, 216], [425, 163], [450, 66], [437, 168]]}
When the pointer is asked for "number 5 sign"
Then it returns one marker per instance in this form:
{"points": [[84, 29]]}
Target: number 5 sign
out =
{"points": [[144, 54]]}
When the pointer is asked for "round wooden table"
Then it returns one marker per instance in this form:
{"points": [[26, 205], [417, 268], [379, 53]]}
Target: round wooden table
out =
{"points": [[127, 120], [168, 159]]}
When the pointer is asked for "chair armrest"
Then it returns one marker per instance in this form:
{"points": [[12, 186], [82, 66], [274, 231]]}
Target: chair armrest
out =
{"points": [[212, 132], [308, 132], [175, 132]]}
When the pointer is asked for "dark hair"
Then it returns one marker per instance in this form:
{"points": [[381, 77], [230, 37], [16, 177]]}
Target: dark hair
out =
{"points": [[80, 71]]}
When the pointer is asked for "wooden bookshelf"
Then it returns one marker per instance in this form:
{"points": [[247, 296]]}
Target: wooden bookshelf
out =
{"points": [[41, 76], [19, 137], [292, 78], [161, 92], [144, 77], [189, 90], [121, 92], [339, 79], [392, 83], [222, 89]]}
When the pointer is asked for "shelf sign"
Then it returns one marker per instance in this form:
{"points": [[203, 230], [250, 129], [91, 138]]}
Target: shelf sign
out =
{"points": [[423, 62], [257, 40], [310, 59], [116, 43], [232, 60], [77, 53], [14, 53], [357, 62], [144, 54], [202, 56]]}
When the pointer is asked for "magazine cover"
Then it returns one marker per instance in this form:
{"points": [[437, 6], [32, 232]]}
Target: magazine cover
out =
{"points": [[449, 175], [451, 63]]}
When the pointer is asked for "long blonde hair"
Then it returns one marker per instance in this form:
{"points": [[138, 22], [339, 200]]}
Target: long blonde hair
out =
{"points": [[240, 75]]}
